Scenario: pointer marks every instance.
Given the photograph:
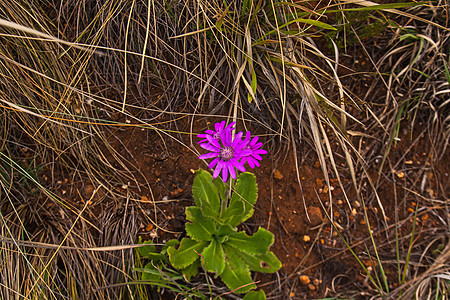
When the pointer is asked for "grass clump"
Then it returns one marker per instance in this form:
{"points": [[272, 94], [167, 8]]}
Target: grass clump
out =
{"points": [[75, 74]]}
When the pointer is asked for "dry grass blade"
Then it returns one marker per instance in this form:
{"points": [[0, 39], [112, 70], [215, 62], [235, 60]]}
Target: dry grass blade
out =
{"points": [[44, 36], [47, 111], [395, 11], [75, 74]]}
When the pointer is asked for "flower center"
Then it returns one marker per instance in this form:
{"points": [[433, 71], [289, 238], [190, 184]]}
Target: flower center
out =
{"points": [[226, 153]]}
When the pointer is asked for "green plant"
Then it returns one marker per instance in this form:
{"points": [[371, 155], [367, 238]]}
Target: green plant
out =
{"points": [[156, 269], [214, 241], [158, 273]]}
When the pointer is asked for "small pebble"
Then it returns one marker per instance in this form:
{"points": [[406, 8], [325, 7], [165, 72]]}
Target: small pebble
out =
{"points": [[315, 215], [400, 174], [304, 279], [149, 227], [277, 174]]}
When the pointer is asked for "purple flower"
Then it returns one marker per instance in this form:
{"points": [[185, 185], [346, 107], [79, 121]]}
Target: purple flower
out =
{"points": [[219, 128], [225, 150], [255, 155]]}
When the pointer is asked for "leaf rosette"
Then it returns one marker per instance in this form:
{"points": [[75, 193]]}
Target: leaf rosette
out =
{"points": [[214, 242]]}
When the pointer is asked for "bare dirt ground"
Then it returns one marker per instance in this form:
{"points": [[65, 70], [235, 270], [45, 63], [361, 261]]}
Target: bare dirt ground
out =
{"points": [[316, 262]]}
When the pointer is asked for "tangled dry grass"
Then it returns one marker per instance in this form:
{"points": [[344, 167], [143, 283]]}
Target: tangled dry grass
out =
{"points": [[72, 70]]}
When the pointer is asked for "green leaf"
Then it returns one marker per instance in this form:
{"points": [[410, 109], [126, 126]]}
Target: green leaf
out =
{"points": [[186, 254], [202, 228], [150, 273], [145, 251], [242, 200], [253, 83], [236, 275], [154, 272], [220, 185], [214, 258], [311, 22], [223, 231], [380, 6], [191, 270], [205, 194], [155, 256], [447, 73], [298, 20], [256, 244], [169, 243], [255, 295], [264, 263]]}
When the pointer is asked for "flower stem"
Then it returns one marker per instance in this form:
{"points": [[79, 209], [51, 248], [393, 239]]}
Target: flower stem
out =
{"points": [[228, 190]]}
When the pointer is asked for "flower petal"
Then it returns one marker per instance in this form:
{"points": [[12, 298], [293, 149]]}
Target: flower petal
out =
{"points": [[214, 162], [257, 146], [208, 155], [213, 141], [232, 171], [256, 163], [219, 126], [237, 139], [256, 156], [225, 172], [225, 136], [238, 165], [260, 151], [230, 126], [240, 146], [245, 152], [248, 135], [210, 147], [254, 140], [217, 170], [251, 162]]}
